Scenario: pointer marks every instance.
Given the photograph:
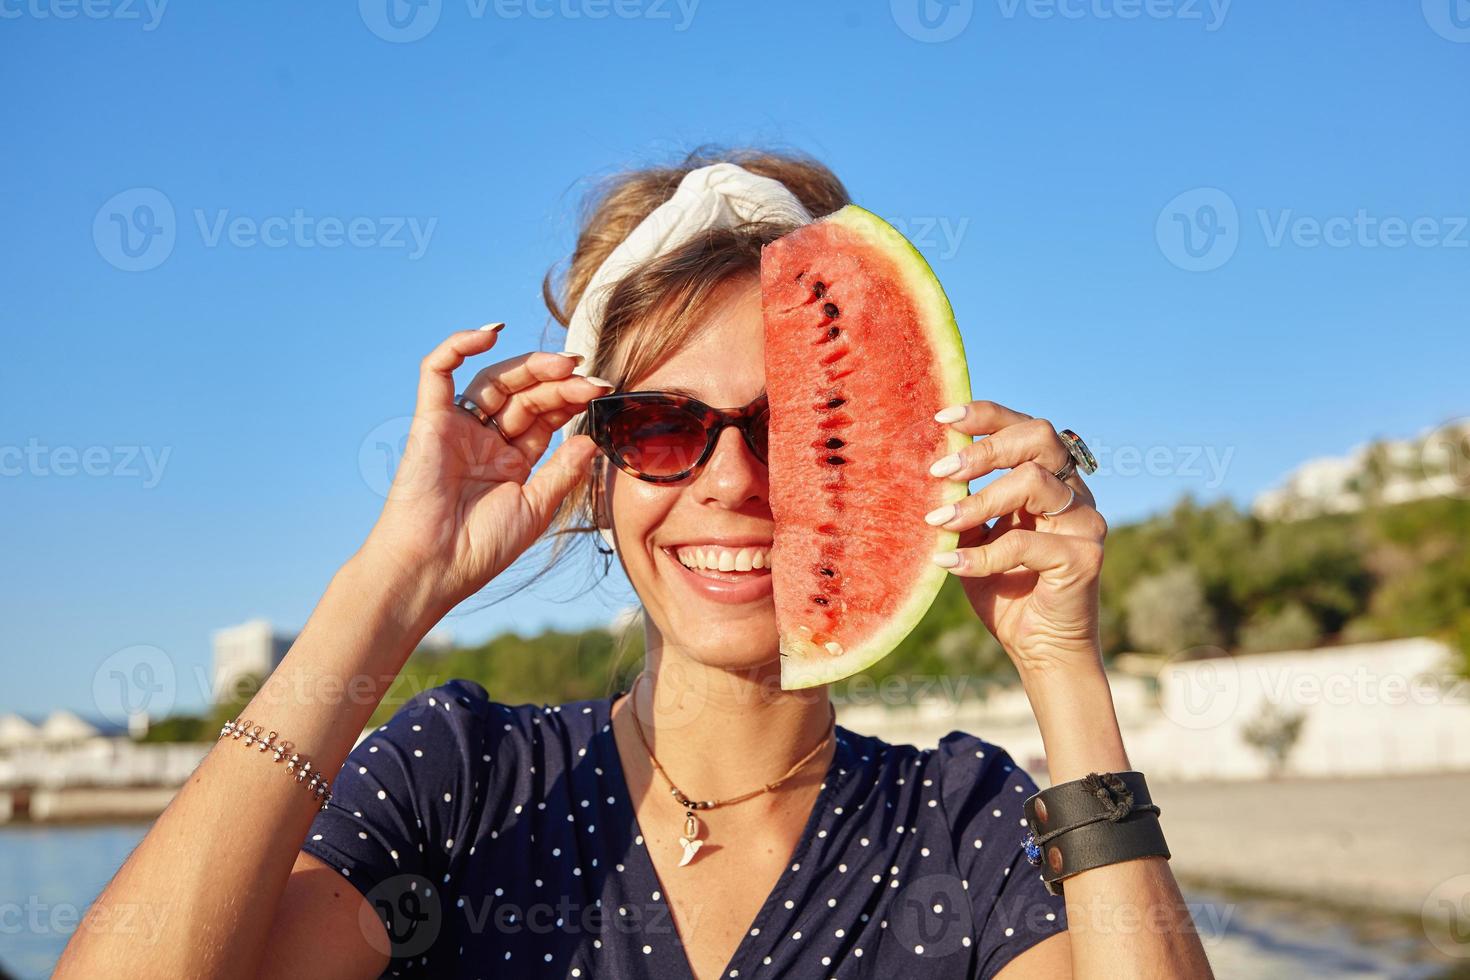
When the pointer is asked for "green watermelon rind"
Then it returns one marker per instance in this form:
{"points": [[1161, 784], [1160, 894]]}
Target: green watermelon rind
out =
{"points": [[800, 669]]}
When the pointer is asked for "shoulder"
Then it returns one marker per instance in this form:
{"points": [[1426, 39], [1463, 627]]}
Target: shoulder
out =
{"points": [[459, 705], [459, 716]]}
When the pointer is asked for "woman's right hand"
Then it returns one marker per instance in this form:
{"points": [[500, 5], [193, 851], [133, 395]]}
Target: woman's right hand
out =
{"points": [[464, 504]]}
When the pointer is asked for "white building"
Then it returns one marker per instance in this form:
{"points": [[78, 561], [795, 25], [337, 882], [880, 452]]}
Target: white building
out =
{"points": [[1370, 709], [250, 648], [1434, 463], [17, 733]]}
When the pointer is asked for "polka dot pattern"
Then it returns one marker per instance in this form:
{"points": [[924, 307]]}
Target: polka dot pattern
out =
{"points": [[512, 823]]}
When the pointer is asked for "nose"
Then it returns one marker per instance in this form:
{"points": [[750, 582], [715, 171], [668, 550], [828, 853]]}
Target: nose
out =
{"points": [[733, 474]]}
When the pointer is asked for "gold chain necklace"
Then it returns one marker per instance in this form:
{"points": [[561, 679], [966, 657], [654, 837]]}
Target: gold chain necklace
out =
{"points": [[690, 840]]}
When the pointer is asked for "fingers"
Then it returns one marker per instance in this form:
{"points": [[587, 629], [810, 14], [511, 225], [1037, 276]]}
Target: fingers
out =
{"points": [[1054, 556], [1030, 488], [436, 371], [556, 478], [531, 386], [1006, 448], [980, 418], [533, 441]]}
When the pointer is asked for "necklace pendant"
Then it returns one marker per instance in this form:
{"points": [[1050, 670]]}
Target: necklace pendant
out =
{"points": [[690, 839]]}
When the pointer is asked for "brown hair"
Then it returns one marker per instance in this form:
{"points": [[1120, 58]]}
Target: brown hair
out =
{"points": [[652, 311]]}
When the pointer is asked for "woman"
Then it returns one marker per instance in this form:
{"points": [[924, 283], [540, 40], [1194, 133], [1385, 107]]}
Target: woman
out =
{"points": [[475, 838]]}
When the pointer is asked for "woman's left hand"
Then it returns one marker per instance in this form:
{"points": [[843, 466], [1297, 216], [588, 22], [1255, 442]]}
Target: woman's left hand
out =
{"points": [[1033, 581]]}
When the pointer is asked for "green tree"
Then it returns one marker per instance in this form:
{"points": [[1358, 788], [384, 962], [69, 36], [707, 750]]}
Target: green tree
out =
{"points": [[1168, 613]]}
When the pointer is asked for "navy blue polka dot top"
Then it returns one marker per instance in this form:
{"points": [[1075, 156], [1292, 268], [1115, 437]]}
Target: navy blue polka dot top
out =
{"points": [[498, 840]]}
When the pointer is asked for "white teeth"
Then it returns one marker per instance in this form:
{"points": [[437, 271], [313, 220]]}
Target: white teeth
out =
{"points": [[750, 558]]}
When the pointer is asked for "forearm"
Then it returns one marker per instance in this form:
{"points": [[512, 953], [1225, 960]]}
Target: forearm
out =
{"points": [[212, 867], [1126, 919]]}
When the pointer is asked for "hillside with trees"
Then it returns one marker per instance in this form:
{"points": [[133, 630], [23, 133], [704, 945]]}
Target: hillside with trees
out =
{"points": [[1195, 581]]}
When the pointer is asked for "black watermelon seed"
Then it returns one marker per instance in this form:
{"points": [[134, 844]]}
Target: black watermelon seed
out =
{"points": [[827, 572], [836, 402], [836, 460], [835, 443], [820, 600], [830, 309], [833, 332], [819, 289]]}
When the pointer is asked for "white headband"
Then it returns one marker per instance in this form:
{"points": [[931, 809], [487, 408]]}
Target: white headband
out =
{"points": [[721, 195]]}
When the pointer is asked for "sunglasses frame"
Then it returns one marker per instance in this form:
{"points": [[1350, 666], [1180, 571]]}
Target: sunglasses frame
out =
{"points": [[602, 409]]}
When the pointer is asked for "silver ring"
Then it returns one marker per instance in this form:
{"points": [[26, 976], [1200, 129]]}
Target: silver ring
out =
{"points": [[479, 413], [1066, 472], [1049, 514]]}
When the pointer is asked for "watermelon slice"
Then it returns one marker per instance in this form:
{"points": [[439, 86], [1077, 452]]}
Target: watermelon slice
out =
{"points": [[862, 349]]}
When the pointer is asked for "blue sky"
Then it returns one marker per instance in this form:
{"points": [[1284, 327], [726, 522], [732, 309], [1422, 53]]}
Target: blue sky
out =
{"points": [[226, 389]]}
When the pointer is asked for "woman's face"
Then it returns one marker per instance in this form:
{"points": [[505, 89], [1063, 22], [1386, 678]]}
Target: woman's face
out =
{"points": [[721, 514]]}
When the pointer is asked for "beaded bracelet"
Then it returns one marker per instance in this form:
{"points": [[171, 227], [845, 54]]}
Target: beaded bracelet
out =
{"points": [[295, 763]]}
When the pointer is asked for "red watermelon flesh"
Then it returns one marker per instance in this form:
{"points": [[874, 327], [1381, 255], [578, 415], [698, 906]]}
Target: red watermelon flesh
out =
{"points": [[862, 349]]}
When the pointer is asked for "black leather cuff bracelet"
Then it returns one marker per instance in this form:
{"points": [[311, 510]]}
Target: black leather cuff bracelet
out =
{"points": [[1088, 823]]}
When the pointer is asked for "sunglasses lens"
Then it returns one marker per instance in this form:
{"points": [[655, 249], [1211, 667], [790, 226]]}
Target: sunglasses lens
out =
{"points": [[657, 440]]}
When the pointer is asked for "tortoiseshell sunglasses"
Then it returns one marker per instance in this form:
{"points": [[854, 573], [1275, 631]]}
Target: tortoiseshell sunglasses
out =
{"points": [[662, 437]]}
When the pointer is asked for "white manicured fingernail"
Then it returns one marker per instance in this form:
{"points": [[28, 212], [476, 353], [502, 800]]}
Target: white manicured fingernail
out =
{"points": [[946, 466], [952, 414], [492, 326], [940, 515], [598, 381], [946, 559], [579, 358]]}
